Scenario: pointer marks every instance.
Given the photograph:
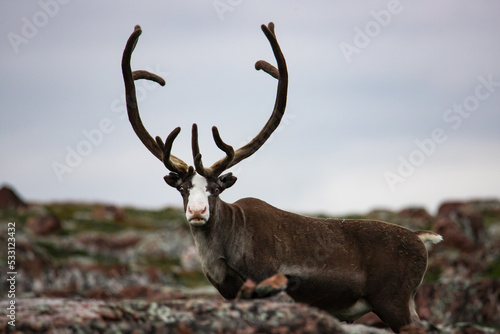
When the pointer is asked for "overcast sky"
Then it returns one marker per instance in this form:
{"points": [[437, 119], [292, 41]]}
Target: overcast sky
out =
{"points": [[391, 104]]}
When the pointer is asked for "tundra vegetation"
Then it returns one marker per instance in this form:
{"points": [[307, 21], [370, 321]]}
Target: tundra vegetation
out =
{"points": [[105, 268]]}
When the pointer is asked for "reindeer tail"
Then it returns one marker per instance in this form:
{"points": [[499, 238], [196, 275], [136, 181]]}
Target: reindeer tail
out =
{"points": [[429, 237]]}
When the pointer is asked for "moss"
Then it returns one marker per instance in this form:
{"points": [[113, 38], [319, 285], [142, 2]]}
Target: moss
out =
{"points": [[167, 217], [60, 253], [490, 217], [191, 279], [432, 274], [69, 210], [164, 264], [103, 226], [44, 310], [493, 269], [106, 260], [20, 217]]}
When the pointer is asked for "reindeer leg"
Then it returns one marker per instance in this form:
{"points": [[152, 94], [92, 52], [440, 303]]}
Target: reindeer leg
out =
{"points": [[395, 314]]}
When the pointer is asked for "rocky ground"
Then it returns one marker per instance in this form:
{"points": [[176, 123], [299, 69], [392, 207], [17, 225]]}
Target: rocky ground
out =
{"points": [[98, 268]]}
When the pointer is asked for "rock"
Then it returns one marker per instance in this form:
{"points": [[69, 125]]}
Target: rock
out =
{"points": [[382, 214], [110, 242], [372, 320], [362, 329], [146, 266], [281, 297], [419, 328], [267, 288], [109, 212], [467, 328], [44, 225], [459, 328], [471, 243], [460, 301], [271, 286], [31, 262], [63, 315], [486, 205], [10, 200], [415, 218], [461, 226], [247, 290], [189, 259], [174, 316], [135, 291]]}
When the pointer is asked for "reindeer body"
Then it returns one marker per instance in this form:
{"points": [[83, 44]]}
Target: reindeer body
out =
{"points": [[347, 267]]}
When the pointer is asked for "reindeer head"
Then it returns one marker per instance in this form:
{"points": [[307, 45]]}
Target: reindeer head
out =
{"points": [[200, 186]]}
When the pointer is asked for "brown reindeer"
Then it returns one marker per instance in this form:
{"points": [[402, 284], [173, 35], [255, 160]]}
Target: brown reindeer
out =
{"points": [[347, 267]]}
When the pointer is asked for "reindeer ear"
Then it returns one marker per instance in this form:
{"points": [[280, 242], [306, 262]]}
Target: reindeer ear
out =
{"points": [[173, 179], [227, 180]]}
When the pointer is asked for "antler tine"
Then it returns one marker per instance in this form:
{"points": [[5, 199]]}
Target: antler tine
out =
{"points": [[223, 164], [141, 74], [279, 106], [268, 68], [264, 65], [173, 163], [220, 165], [132, 108], [198, 164]]}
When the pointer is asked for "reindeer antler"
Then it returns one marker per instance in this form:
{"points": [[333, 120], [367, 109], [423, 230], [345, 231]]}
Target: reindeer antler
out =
{"points": [[157, 147], [233, 157], [163, 150]]}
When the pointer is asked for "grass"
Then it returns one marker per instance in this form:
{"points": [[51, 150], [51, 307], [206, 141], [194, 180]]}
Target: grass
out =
{"points": [[493, 269], [60, 253]]}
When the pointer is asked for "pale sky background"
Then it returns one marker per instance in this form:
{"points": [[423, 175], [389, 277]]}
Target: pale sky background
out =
{"points": [[350, 119]]}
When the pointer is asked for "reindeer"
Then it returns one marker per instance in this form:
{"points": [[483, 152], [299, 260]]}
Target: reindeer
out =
{"points": [[346, 267]]}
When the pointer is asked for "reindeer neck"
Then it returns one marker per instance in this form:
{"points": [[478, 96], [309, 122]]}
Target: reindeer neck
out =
{"points": [[224, 220]]}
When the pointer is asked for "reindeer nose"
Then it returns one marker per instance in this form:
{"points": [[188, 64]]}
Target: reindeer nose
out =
{"points": [[197, 215], [197, 211]]}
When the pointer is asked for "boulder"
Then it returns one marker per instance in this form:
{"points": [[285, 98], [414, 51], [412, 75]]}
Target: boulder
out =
{"points": [[189, 259], [44, 225], [69, 315], [58, 315], [247, 290], [10, 200], [98, 243], [461, 226], [271, 286], [267, 288], [460, 301], [109, 212], [415, 218]]}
